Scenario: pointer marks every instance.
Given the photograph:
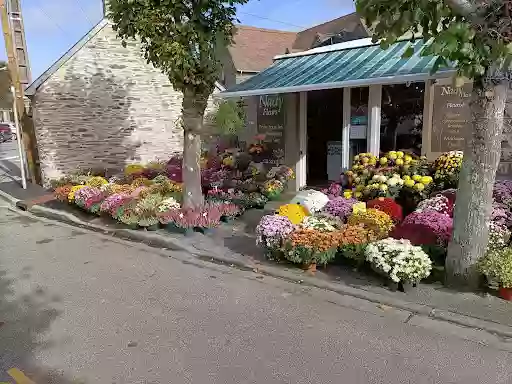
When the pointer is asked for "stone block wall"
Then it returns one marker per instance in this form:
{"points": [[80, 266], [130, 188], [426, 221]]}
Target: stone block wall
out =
{"points": [[105, 107]]}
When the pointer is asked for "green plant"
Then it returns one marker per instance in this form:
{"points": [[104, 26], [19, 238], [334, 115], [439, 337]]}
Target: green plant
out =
{"points": [[497, 265], [147, 208], [228, 118], [185, 40]]}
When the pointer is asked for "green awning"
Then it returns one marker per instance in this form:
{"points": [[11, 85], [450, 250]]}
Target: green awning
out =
{"points": [[360, 64]]}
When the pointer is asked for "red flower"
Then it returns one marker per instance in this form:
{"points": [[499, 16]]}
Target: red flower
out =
{"points": [[389, 206]]}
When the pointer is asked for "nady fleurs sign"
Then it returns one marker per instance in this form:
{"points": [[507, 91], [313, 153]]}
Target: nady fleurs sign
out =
{"points": [[271, 122]]}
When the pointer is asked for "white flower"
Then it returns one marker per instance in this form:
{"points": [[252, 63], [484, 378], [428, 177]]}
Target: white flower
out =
{"points": [[399, 259]]}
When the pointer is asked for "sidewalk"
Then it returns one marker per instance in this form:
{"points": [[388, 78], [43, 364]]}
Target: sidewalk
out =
{"points": [[234, 244]]}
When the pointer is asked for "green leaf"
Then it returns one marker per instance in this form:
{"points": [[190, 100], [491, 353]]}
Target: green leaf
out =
{"points": [[408, 52]]}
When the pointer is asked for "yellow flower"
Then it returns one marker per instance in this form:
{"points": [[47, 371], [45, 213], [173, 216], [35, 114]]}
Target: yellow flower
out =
{"points": [[426, 180], [407, 159], [347, 194], [419, 187], [416, 177], [383, 187], [399, 162], [383, 161], [71, 194], [400, 154], [407, 177], [409, 183], [130, 169], [358, 195], [96, 182]]}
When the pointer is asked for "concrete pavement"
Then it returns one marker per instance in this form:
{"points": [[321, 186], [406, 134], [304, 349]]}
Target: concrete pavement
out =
{"points": [[79, 307]]}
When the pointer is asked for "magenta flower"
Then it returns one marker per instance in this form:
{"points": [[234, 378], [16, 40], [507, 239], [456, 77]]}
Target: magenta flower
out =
{"points": [[439, 223]]}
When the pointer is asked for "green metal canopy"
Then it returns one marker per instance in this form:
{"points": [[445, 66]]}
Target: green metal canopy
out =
{"points": [[352, 64]]}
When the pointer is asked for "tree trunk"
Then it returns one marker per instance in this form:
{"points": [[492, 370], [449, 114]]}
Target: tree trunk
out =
{"points": [[193, 109], [474, 195]]}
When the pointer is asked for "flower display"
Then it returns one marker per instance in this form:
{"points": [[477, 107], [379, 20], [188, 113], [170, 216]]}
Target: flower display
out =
{"points": [[439, 203], [339, 207], [74, 189], [113, 202], [499, 237], [86, 197], [96, 182], [318, 223], [500, 215], [294, 212], [399, 260], [377, 221], [272, 188], [447, 168], [272, 230], [229, 210], [496, 265], [334, 190], [309, 246], [133, 168], [62, 193], [389, 206], [168, 204], [141, 181], [435, 222], [502, 191]]}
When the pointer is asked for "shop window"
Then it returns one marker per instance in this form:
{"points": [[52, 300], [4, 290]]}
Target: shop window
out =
{"points": [[402, 117], [358, 120]]}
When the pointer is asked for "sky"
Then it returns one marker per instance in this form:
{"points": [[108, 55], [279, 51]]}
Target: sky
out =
{"points": [[54, 26]]}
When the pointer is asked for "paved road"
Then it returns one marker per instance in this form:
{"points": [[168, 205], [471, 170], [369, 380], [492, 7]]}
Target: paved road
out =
{"points": [[9, 162], [77, 307]]}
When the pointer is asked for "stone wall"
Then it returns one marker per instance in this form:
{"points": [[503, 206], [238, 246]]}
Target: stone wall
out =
{"points": [[105, 107]]}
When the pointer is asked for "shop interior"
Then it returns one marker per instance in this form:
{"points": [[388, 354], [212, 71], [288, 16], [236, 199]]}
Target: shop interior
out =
{"points": [[401, 126]]}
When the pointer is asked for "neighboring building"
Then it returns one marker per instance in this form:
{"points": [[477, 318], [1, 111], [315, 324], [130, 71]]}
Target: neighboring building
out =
{"points": [[103, 105]]}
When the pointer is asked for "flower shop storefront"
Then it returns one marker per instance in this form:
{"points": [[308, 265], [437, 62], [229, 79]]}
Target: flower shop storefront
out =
{"points": [[354, 97]]}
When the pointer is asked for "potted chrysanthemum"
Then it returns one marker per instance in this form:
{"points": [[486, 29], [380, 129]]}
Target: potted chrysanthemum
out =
{"points": [[403, 263]]}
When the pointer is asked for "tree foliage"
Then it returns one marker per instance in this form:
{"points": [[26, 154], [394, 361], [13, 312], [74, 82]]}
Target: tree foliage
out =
{"points": [[5, 87], [229, 117], [183, 38], [472, 35]]}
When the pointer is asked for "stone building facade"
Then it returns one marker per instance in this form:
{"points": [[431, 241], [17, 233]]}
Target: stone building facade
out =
{"points": [[102, 105]]}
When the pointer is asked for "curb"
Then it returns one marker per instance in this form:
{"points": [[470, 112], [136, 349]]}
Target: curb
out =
{"points": [[10, 199], [158, 241]]}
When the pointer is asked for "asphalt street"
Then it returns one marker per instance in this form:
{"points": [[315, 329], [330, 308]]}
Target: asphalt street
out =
{"points": [[9, 161], [77, 307]]}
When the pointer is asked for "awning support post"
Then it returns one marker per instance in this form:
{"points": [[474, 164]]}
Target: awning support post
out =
{"points": [[374, 118], [345, 137]]}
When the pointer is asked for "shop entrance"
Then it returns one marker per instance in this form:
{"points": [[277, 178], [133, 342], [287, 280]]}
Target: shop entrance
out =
{"points": [[324, 132]]}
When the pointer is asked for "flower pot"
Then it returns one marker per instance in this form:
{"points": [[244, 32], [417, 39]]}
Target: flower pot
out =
{"points": [[153, 227], [202, 230], [311, 268], [393, 286], [506, 293], [406, 286], [171, 227]]}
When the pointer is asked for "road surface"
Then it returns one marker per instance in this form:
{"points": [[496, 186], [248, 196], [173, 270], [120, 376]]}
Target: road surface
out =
{"points": [[77, 307]]}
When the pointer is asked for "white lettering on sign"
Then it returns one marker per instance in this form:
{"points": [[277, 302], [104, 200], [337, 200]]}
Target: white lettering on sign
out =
{"points": [[271, 105], [454, 91]]}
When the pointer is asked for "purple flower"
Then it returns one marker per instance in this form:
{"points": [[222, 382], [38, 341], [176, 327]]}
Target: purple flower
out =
{"points": [[114, 201], [439, 223], [340, 207], [500, 215], [272, 229], [333, 191], [502, 192], [87, 196]]}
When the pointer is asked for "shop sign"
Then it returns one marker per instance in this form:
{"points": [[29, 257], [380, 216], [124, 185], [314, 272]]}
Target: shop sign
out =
{"points": [[271, 122], [451, 117]]}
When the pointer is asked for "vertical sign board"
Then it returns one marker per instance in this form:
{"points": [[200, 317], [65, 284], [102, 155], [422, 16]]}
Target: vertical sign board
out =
{"points": [[451, 117], [271, 122]]}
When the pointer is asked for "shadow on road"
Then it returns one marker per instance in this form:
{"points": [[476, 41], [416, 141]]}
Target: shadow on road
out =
{"points": [[23, 321]]}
